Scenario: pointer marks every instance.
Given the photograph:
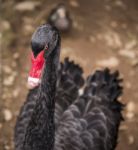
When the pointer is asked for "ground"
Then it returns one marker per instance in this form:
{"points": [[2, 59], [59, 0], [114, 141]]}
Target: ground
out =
{"points": [[104, 34]]}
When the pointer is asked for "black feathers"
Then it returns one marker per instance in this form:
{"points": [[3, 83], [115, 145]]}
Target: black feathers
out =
{"points": [[56, 117], [87, 122], [92, 121], [104, 84], [67, 86], [67, 92]]}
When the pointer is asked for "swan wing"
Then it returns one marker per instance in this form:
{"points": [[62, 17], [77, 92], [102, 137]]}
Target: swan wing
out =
{"points": [[92, 121]]}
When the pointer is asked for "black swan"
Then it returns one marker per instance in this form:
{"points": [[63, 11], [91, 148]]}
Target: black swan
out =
{"points": [[55, 117], [60, 18]]}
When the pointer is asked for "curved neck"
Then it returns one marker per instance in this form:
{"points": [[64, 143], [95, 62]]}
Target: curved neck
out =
{"points": [[49, 76], [40, 131]]}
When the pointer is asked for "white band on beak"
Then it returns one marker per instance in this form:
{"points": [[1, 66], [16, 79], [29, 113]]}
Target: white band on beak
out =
{"points": [[33, 82]]}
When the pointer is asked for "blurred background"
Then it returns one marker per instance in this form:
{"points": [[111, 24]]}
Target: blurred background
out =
{"points": [[100, 33]]}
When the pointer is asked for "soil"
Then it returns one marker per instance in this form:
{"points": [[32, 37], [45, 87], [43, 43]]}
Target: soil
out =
{"points": [[104, 34]]}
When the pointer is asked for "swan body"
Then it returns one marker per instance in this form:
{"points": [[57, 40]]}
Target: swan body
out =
{"points": [[55, 116]]}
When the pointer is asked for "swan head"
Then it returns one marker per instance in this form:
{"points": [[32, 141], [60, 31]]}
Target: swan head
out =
{"points": [[45, 38], [44, 41]]}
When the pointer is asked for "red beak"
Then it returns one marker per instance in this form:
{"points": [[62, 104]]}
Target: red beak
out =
{"points": [[36, 69]]}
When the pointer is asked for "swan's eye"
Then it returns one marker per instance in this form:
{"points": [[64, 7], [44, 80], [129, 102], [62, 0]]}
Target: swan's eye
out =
{"points": [[46, 47]]}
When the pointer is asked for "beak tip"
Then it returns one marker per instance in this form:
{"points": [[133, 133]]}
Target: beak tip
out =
{"points": [[33, 82]]}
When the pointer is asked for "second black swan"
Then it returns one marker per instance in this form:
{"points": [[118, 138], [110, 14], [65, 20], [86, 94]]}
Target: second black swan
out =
{"points": [[55, 116], [60, 18]]}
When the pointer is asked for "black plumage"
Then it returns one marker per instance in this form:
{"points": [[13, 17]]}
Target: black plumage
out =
{"points": [[55, 117], [92, 121], [69, 81]]}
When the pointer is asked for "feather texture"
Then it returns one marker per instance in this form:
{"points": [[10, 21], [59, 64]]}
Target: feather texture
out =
{"points": [[92, 121], [89, 122], [69, 81], [86, 122], [67, 92]]}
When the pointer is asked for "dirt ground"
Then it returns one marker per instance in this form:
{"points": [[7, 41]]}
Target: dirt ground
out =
{"points": [[104, 34]]}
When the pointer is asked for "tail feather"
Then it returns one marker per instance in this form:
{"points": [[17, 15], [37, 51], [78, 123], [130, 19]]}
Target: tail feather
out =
{"points": [[103, 111], [74, 71], [95, 116], [69, 81], [105, 85]]}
